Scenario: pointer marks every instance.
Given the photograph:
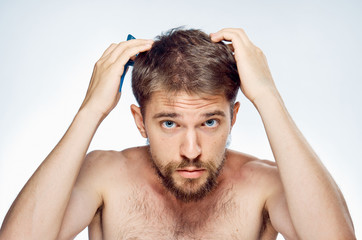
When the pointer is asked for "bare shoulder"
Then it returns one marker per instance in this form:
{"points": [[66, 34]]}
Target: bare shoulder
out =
{"points": [[254, 176], [107, 166], [261, 179], [99, 162], [250, 168], [103, 160]]}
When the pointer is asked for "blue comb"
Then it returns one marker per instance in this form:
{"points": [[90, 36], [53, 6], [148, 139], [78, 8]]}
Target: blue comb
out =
{"points": [[129, 63]]}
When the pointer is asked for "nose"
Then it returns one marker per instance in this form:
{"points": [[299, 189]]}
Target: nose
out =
{"points": [[190, 147]]}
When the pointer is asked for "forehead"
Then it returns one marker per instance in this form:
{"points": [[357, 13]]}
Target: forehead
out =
{"points": [[184, 103]]}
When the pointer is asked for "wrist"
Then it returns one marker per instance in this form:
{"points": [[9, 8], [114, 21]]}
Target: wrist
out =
{"points": [[267, 99], [90, 115]]}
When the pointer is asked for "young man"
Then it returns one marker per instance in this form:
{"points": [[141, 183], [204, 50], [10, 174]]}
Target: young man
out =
{"points": [[186, 184]]}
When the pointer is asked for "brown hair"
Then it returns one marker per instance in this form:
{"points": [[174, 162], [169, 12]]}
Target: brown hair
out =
{"points": [[185, 60]]}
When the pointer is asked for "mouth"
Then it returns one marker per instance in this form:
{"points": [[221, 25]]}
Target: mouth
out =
{"points": [[191, 173]]}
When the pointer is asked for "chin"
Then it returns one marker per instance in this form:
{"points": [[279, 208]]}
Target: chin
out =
{"points": [[191, 190]]}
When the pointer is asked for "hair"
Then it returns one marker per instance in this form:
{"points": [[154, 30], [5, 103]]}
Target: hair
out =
{"points": [[185, 61]]}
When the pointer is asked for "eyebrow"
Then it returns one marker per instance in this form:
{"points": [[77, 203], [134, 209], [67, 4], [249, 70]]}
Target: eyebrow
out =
{"points": [[166, 115], [176, 115], [214, 113]]}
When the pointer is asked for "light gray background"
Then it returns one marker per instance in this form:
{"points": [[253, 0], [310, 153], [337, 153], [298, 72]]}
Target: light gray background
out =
{"points": [[48, 50]]}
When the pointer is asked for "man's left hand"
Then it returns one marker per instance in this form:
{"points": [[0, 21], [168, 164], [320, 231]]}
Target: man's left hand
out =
{"points": [[256, 80]]}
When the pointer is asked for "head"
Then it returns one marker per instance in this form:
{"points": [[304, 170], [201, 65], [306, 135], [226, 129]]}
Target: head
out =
{"points": [[186, 88]]}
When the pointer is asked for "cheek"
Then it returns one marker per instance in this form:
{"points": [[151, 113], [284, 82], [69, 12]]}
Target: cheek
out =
{"points": [[162, 148], [160, 141], [216, 140], [213, 147]]}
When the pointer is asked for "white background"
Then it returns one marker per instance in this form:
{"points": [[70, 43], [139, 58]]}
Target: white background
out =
{"points": [[48, 50]]}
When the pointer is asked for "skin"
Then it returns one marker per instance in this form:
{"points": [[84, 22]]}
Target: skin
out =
{"points": [[119, 195], [193, 133]]}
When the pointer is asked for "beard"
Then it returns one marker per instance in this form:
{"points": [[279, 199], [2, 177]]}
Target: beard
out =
{"points": [[189, 189]]}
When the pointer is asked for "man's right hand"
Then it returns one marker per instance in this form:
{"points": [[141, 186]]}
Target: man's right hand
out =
{"points": [[40, 200], [103, 95]]}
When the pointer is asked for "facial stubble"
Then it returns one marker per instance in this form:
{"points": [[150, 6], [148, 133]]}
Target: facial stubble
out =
{"points": [[191, 190]]}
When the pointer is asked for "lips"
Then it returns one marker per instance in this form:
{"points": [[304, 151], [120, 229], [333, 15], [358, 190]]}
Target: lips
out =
{"points": [[191, 172]]}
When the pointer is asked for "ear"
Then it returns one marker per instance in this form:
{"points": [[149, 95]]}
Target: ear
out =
{"points": [[138, 118], [235, 113]]}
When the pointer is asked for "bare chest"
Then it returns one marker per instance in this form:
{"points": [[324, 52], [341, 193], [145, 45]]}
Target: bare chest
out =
{"points": [[143, 216]]}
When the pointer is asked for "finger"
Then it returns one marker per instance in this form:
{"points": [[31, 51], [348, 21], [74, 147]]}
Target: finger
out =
{"points": [[128, 53], [122, 51], [109, 49], [225, 34], [230, 34], [118, 51], [121, 60]]}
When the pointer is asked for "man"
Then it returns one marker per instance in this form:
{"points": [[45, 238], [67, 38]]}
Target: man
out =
{"points": [[186, 184]]}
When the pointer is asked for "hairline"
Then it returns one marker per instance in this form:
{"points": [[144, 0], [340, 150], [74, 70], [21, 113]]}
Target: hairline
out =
{"points": [[170, 94]]}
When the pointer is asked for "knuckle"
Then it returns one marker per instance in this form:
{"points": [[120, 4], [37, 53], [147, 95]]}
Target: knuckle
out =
{"points": [[239, 34], [128, 52], [99, 63], [258, 51], [124, 43], [240, 30]]}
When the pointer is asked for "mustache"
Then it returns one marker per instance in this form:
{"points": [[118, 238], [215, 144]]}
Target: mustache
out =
{"points": [[197, 163], [186, 162]]}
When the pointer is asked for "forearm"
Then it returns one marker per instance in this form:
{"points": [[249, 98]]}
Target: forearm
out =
{"points": [[316, 206], [38, 211]]}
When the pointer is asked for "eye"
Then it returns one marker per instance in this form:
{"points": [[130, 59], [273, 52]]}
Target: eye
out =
{"points": [[211, 122], [168, 124]]}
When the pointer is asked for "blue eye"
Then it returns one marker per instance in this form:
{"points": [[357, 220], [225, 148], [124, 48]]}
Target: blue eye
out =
{"points": [[168, 124], [211, 123]]}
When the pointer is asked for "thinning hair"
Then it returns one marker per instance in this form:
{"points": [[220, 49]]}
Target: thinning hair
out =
{"points": [[185, 61]]}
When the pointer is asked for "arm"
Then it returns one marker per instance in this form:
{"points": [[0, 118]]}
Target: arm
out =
{"points": [[38, 211], [316, 206], [86, 198]]}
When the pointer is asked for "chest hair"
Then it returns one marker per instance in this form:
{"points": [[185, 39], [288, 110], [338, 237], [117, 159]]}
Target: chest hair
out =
{"points": [[154, 218]]}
